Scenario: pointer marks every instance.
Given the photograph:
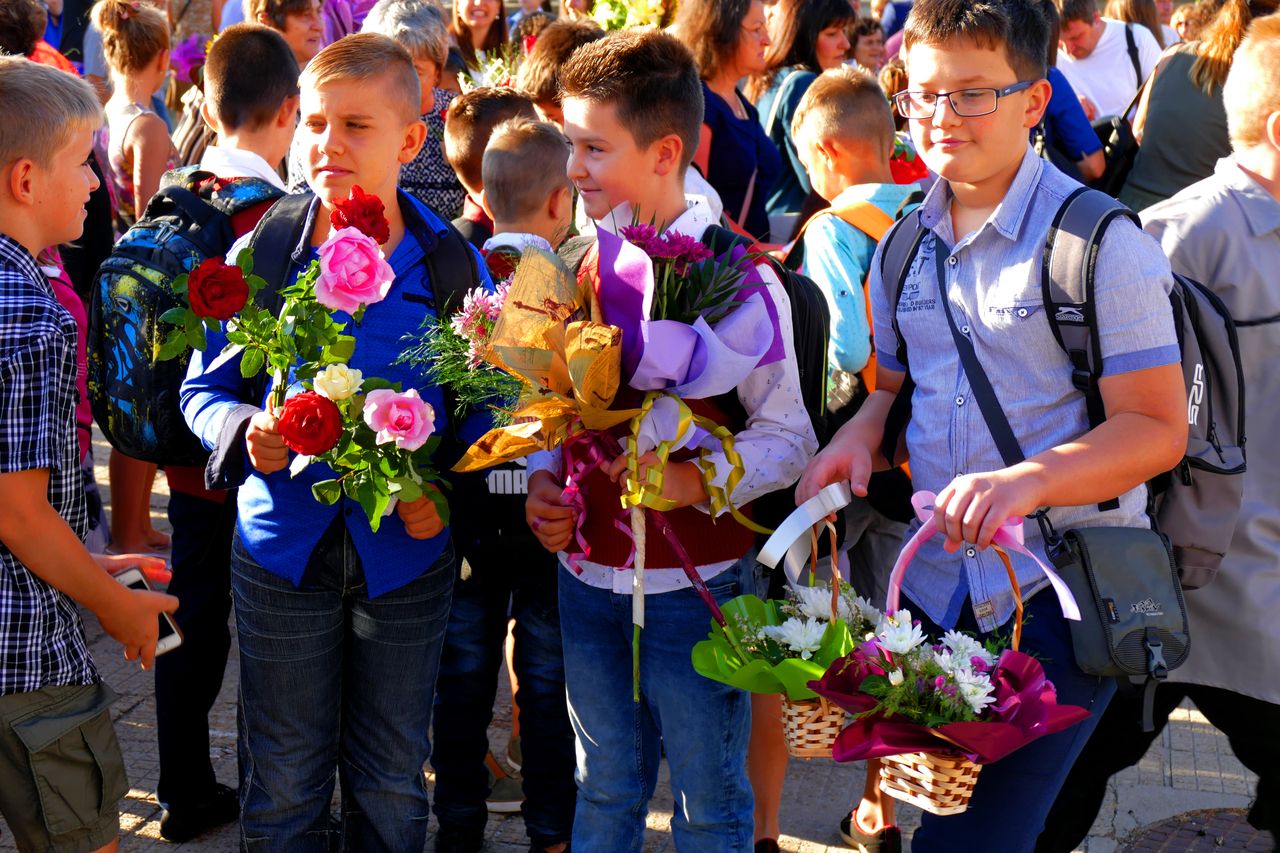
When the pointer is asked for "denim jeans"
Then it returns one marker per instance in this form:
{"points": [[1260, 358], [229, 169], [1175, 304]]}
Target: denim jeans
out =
{"points": [[703, 724], [522, 585], [1013, 795], [334, 683], [189, 678]]}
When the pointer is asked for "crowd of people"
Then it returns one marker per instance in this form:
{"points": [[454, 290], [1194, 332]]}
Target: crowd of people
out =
{"points": [[486, 131]]}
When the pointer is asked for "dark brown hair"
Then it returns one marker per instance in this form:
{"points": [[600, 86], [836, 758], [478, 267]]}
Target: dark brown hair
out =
{"points": [[893, 79], [540, 71], [495, 39], [1141, 12], [524, 163], [277, 10], [22, 24], [711, 29], [1015, 25], [469, 123], [795, 42], [649, 77], [249, 73], [1078, 10]]}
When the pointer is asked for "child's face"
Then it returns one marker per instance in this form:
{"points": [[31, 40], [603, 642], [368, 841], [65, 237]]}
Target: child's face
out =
{"points": [[355, 133], [62, 189], [970, 150], [605, 164], [550, 111]]}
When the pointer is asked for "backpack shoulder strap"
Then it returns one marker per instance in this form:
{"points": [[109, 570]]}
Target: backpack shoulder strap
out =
{"points": [[452, 255], [1131, 45], [900, 246], [280, 228]]}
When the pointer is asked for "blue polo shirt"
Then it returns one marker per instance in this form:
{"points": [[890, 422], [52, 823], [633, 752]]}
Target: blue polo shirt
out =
{"points": [[993, 288], [280, 522]]}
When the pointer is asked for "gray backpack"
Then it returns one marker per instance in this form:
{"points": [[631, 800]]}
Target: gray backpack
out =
{"points": [[1196, 503]]}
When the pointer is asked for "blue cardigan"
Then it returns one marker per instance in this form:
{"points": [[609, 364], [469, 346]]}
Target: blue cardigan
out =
{"points": [[280, 522]]}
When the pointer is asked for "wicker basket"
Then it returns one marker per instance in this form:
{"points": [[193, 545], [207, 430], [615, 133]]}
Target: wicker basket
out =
{"points": [[940, 784], [810, 726]]}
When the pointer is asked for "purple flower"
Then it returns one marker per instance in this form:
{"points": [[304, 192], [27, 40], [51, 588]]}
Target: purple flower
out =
{"points": [[940, 682], [978, 664], [186, 57]]}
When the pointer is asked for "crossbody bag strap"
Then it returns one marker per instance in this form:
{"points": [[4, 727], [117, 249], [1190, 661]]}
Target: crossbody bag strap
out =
{"points": [[983, 393]]}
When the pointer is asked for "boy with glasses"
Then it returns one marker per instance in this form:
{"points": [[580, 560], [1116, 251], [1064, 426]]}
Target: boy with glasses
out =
{"points": [[976, 86]]}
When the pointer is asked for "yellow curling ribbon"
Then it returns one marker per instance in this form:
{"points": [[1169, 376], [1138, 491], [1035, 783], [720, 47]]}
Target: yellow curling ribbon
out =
{"points": [[719, 497]]}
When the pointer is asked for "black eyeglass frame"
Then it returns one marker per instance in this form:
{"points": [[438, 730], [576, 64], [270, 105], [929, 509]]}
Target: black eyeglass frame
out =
{"points": [[902, 98]]}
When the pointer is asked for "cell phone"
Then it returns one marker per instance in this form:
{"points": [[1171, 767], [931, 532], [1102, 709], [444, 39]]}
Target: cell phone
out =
{"points": [[170, 636]]}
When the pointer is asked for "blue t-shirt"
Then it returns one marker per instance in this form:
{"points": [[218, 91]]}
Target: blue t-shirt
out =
{"points": [[894, 17], [777, 108], [739, 151], [1065, 125]]}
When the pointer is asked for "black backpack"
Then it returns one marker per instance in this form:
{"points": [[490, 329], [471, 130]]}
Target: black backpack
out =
{"points": [[1196, 503], [135, 397]]}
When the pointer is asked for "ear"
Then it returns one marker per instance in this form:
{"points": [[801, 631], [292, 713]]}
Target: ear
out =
{"points": [[668, 154], [415, 133], [1272, 132], [22, 183], [828, 148], [288, 114], [484, 204], [264, 19], [561, 197], [1037, 102], [206, 113]]}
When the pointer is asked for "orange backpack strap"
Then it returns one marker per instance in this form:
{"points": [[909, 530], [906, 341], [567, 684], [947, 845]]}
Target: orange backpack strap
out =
{"points": [[875, 223]]}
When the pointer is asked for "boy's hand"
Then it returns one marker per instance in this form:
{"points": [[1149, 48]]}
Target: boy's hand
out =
{"points": [[421, 518], [153, 568], [847, 457], [267, 452], [548, 517], [972, 508], [134, 622], [1090, 111], [681, 481]]}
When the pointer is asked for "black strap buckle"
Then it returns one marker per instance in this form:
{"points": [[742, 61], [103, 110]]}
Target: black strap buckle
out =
{"points": [[1082, 380], [1156, 666]]}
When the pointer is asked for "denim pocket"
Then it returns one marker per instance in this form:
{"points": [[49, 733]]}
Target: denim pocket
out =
{"points": [[75, 758]]}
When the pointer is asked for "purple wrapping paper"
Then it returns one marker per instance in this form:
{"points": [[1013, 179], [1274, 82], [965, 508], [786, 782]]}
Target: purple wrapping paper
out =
{"points": [[1026, 708]]}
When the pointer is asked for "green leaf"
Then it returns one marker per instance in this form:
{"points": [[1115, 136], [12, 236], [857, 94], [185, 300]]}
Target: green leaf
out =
{"points": [[327, 491], [255, 282], [342, 349], [191, 322], [244, 260], [179, 285], [374, 383], [442, 504], [406, 489], [196, 336], [367, 496], [174, 346], [235, 336], [176, 316], [251, 363]]}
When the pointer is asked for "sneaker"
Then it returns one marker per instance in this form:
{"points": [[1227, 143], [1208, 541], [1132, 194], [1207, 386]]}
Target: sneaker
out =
{"points": [[450, 839], [505, 795], [767, 845], [515, 755], [887, 840], [220, 806]]}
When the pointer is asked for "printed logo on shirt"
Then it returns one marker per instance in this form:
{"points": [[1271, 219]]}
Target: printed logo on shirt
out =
{"points": [[509, 480], [1147, 607], [911, 299]]}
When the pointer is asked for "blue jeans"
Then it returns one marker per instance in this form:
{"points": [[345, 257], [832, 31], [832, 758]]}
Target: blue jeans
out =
{"points": [[334, 683], [522, 585], [703, 724], [1013, 796]]}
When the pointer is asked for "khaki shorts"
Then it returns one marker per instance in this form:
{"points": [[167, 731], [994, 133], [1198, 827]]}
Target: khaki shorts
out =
{"points": [[61, 771]]}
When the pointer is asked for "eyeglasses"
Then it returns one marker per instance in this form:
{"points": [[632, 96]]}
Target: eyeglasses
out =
{"points": [[966, 103]]}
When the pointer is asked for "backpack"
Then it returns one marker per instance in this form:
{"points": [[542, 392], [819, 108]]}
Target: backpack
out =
{"points": [[135, 397], [1197, 502], [1119, 146]]}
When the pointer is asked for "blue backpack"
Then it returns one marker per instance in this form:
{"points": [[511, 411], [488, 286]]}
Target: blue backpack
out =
{"points": [[135, 397]]}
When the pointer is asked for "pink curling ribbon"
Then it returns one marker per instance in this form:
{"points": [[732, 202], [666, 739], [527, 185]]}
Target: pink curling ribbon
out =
{"points": [[1009, 537]]}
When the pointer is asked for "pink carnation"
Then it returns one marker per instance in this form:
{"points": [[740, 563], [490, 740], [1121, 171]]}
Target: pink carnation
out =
{"points": [[404, 418], [353, 272]]}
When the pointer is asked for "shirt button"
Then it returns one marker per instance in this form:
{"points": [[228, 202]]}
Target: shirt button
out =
{"points": [[959, 401], [1022, 312], [952, 260], [969, 552], [964, 329]]}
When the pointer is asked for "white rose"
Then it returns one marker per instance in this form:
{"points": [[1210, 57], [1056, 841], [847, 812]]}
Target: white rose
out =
{"points": [[337, 382]]}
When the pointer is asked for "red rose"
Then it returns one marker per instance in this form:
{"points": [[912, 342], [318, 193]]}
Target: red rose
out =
{"points": [[310, 424], [216, 290], [528, 43], [363, 212]]}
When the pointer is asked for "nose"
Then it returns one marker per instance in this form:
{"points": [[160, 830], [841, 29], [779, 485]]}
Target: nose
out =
{"points": [[574, 167], [944, 114], [844, 43]]}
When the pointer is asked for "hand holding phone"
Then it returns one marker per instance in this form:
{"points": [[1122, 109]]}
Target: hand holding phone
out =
{"points": [[142, 623]]}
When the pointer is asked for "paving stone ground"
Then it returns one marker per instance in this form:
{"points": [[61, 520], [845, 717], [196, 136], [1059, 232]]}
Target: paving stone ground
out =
{"points": [[1190, 769]]}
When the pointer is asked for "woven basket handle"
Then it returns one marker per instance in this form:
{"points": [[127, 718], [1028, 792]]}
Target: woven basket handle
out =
{"points": [[835, 564]]}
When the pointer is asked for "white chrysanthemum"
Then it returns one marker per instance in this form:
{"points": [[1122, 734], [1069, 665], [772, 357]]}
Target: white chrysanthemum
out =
{"points": [[898, 633], [975, 688], [963, 647], [895, 677], [945, 660], [803, 636], [814, 602], [861, 608], [337, 382]]}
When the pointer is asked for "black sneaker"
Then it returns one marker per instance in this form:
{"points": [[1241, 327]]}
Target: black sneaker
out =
{"points": [[887, 840], [183, 823], [767, 845], [451, 839]]}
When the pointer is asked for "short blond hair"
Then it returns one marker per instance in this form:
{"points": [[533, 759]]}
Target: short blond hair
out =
{"points": [[847, 104], [1250, 95], [524, 163], [52, 104], [365, 56]]}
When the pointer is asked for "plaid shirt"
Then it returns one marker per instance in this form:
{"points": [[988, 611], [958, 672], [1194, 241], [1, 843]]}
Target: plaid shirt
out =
{"points": [[42, 640]]}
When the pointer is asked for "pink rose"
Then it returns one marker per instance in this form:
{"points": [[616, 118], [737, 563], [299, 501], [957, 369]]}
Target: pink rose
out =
{"points": [[353, 272], [403, 418]]}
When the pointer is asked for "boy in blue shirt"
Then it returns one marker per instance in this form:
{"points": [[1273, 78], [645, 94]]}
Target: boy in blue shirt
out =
{"points": [[340, 628], [61, 771], [976, 87]]}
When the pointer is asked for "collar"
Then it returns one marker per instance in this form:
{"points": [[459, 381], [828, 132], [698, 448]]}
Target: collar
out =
{"points": [[1260, 208], [697, 217], [419, 222], [1007, 218], [891, 193], [16, 255], [472, 211], [239, 163], [517, 240]]}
